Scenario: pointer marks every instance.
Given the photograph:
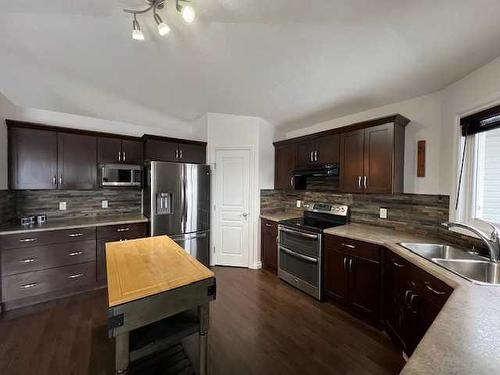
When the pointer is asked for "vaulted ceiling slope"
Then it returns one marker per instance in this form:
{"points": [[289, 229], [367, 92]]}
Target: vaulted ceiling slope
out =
{"points": [[292, 62]]}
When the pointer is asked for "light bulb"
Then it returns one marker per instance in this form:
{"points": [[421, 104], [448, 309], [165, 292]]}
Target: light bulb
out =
{"points": [[137, 35], [136, 30], [163, 29], [188, 13]]}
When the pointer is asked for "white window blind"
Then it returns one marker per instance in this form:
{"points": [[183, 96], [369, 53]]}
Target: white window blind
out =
{"points": [[487, 205]]}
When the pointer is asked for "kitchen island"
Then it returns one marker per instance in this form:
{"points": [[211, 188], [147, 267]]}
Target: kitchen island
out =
{"points": [[149, 281]]}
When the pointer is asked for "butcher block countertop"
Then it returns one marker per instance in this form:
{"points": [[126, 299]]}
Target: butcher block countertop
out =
{"points": [[148, 266]]}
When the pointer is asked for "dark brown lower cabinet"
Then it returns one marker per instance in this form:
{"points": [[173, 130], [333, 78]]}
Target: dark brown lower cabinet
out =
{"points": [[352, 276], [412, 300], [269, 247]]}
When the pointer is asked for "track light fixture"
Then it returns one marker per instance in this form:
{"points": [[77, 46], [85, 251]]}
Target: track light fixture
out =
{"points": [[182, 6]]}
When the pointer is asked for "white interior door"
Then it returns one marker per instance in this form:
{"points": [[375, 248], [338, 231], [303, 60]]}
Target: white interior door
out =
{"points": [[232, 175]]}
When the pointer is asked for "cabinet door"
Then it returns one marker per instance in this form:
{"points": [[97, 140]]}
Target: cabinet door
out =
{"points": [[351, 161], [305, 150], [157, 150], [109, 150], [132, 152], [77, 161], [32, 159], [364, 286], [336, 275], [328, 149], [192, 153], [378, 155], [396, 277], [101, 262], [269, 248], [285, 157]]}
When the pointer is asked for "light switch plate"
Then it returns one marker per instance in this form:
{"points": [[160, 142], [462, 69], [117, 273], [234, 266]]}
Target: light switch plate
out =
{"points": [[62, 206], [383, 213], [299, 203], [104, 204]]}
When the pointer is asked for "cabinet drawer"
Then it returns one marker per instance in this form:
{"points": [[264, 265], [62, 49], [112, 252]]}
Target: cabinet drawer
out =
{"points": [[39, 282], [38, 258], [352, 247], [16, 241], [122, 232], [269, 226]]}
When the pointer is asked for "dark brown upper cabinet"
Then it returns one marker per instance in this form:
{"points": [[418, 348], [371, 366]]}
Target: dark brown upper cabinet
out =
{"points": [[285, 161], [118, 150], [318, 151], [174, 150], [32, 159], [77, 161], [372, 159]]}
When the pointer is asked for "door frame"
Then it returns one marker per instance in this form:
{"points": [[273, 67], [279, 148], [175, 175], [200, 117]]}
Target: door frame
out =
{"points": [[253, 206]]}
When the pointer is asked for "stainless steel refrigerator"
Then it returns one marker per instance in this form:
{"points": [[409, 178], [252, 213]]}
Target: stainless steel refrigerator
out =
{"points": [[176, 200]]}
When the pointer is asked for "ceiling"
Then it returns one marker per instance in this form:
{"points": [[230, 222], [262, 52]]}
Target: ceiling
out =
{"points": [[291, 62]]}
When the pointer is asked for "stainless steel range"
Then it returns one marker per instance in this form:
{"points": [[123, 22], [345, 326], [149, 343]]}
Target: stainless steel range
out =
{"points": [[300, 257]]}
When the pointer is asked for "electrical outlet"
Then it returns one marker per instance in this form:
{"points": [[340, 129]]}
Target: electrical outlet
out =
{"points": [[62, 206], [299, 203], [383, 213], [104, 204]]}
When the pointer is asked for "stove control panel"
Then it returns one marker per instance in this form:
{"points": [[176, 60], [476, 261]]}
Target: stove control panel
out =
{"points": [[333, 209]]}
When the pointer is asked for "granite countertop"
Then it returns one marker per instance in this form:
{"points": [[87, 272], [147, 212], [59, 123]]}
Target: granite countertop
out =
{"points": [[279, 215], [465, 337], [73, 223]]}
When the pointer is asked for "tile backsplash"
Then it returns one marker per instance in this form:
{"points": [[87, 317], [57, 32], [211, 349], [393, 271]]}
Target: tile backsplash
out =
{"points": [[79, 203], [415, 213]]}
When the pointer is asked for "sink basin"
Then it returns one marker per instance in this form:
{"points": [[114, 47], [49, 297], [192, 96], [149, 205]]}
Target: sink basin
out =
{"points": [[479, 271], [432, 251]]}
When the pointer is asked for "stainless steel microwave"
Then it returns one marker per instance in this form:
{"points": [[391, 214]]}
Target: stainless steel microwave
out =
{"points": [[120, 175]]}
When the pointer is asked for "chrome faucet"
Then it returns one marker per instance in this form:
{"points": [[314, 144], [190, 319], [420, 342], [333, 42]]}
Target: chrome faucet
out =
{"points": [[492, 242]]}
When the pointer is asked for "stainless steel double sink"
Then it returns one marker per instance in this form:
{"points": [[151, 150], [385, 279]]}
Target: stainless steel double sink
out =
{"points": [[470, 266]]}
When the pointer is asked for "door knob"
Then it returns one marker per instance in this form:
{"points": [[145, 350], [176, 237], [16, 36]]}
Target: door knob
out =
{"points": [[244, 214]]}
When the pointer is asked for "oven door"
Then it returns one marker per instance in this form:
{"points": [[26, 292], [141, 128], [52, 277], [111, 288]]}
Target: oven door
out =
{"points": [[299, 260]]}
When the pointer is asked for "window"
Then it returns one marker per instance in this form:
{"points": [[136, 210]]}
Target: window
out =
{"points": [[480, 185], [487, 179]]}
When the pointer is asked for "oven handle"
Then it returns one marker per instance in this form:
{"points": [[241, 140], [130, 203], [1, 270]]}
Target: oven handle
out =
{"points": [[314, 236], [297, 255]]}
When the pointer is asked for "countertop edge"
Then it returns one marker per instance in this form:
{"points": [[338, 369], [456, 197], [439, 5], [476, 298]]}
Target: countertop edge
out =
{"points": [[75, 226]]}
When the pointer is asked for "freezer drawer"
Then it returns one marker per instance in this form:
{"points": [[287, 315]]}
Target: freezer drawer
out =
{"points": [[196, 244]]}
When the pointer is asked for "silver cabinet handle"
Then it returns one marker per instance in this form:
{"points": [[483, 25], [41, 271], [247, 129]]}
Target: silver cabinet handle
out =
{"points": [[123, 229], [119, 156], [27, 260], [428, 286], [75, 235], [75, 276], [314, 236], [177, 153], [28, 286], [315, 155], [28, 240], [350, 264], [365, 182], [345, 262], [359, 182], [292, 181], [269, 225], [396, 264], [297, 255], [182, 154], [407, 293], [124, 156], [54, 180], [349, 246], [75, 253], [60, 180]]}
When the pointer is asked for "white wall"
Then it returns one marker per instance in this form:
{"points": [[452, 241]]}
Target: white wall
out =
{"points": [[233, 131], [6, 111]]}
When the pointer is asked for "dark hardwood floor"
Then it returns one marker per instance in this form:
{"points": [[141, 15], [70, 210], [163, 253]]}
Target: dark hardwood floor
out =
{"points": [[259, 325]]}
